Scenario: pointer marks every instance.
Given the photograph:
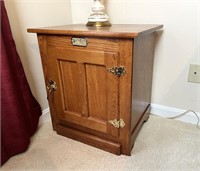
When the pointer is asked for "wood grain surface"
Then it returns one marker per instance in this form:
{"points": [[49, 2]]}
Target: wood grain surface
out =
{"points": [[115, 31], [88, 96]]}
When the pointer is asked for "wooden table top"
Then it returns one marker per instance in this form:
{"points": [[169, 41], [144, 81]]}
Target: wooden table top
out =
{"points": [[115, 31]]}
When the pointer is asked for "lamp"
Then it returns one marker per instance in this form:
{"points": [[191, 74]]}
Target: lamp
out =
{"points": [[98, 18]]}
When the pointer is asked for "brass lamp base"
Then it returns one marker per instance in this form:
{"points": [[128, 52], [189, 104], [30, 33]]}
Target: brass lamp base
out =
{"points": [[99, 24]]}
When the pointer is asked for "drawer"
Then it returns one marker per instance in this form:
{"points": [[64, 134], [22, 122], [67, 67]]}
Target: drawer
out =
{"points": [[97, 44]]}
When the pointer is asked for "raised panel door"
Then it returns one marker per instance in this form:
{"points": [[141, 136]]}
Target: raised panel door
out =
{"points": [[87, 94]]}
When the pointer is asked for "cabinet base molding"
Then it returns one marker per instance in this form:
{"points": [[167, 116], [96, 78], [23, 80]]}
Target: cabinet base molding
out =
{"points": [[89, 139], [101, 143]]}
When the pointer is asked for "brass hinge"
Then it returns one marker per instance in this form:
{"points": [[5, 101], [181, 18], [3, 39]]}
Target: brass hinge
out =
{"points": [[117, 71], [117, 123]]}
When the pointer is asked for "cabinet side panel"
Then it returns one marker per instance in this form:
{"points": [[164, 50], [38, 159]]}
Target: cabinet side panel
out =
{"points": [[142, 80]]}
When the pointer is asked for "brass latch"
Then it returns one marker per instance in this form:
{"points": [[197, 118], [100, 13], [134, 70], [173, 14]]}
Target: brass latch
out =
{"points": [[117, 123], [117, 71], [51, 86]]}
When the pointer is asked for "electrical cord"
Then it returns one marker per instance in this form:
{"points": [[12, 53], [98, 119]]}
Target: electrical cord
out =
{"points": [[184, 113]]}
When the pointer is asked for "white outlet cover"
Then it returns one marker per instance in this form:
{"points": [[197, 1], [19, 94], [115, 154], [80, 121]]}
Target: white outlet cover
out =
{"points": [[194, 73]]}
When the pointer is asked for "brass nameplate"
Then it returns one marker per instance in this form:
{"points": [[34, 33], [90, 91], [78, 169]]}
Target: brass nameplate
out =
{"points": [[79, 41]]}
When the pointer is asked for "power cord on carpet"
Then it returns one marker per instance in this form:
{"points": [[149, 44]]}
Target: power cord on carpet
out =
{"points": [[184, 113]]}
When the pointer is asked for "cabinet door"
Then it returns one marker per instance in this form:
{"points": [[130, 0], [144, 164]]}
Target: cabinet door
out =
{"points": [[87, 94]]}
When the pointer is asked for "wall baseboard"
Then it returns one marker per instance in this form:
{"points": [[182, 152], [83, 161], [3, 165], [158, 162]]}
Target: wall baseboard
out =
{"points": [[165, 111], [158, 110], [45, 116], [45, 111]]}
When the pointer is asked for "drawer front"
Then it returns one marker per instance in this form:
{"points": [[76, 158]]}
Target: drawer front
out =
{"points": [[86, 94], [96, 44]]}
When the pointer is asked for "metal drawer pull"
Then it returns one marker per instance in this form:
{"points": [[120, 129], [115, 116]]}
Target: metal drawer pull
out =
{"points": [[79, 42]]}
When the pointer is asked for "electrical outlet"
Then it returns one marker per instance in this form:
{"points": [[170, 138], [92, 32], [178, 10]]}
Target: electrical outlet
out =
{"points": [[194, 73]]}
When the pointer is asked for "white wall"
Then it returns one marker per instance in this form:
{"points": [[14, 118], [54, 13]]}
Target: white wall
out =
{"points": [[25, 14], [177, 45]]}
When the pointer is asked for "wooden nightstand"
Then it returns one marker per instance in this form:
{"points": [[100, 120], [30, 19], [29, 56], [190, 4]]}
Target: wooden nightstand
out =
{"points": [[98, 81]]}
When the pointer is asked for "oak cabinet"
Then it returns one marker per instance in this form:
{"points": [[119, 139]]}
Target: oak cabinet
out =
{"points": [[98, 81]]}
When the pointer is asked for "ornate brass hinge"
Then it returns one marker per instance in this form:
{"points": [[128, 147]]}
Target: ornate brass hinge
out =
{"points": [[117, 123], [117, 71]]}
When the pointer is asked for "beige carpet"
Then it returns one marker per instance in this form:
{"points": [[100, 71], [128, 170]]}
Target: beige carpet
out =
{"points": [[162, 144]]}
